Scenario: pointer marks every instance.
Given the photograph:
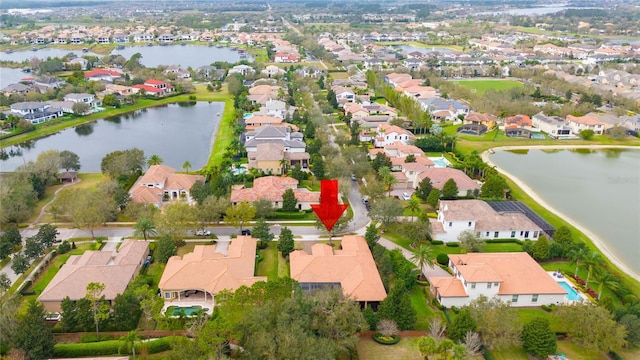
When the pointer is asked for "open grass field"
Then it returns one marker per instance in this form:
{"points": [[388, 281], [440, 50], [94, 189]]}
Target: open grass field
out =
{"points": [[511, 353], [483, 85]]}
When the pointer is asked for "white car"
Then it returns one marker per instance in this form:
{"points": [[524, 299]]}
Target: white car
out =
{"points": [[406, 196], [203, 232]]}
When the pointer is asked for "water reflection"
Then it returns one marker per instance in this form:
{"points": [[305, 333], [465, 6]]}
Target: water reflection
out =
{"points": [[84, 129]]}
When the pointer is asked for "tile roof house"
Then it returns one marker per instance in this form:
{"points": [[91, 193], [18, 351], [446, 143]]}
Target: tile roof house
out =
{"points": [[552, 125], [351, 268], [587, 122], [387, 134], [161, 183], [102, 74], [475, 118], [276, 157], [439, 176], [155, 87], [512, 277], [255, 121], [197, 277], [272, 188], [114, 269], [456, 216], [35, 112]]}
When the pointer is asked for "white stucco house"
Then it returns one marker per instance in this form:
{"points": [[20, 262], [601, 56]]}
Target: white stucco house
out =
{"points": [[456, 216], [514, 278]]}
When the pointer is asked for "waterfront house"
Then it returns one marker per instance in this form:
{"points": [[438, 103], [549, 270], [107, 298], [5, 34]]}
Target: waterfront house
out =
{"points": [[272, 188], [102, 74], [553, 126], [587, 122], [514, 278], [155, 87], [160, 183], [35, 112]]}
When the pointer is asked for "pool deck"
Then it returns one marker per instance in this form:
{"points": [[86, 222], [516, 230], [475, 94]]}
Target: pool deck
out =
{"points": [[569, 281]]}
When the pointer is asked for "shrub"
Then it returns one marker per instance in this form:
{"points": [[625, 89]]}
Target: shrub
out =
{"points": [[110, 347], [442, 259], [546, 308], [453, 244], [259, 257], [455, 309], [437, 242], [91, 338], [386, 340]]}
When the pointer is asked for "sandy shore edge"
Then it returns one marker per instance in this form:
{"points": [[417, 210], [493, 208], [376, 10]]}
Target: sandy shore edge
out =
{"points": [[595, 239]]}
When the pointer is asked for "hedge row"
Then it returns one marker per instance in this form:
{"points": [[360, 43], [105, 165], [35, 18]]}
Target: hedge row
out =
{"points": [[504, 241], [453, 244], [91, 338], [111, 347], [437, 242]]}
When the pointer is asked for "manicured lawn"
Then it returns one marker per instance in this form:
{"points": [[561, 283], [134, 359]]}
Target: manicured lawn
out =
{"points": [[575, 351], [225, 130], [483, 85], [419, 301], [509, 247], [269, 266], [154, 272], [283, 266], [512, 353], [406, 349], [527, 315]]}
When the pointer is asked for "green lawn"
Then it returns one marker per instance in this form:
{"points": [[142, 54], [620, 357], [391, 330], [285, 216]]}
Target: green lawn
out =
{"points": [[575, 351], [269, 265], [527, 314], [54, 266], [509, 247], [511, 353], [483, 85], [406, 349], [283, 266], [420, 302]]}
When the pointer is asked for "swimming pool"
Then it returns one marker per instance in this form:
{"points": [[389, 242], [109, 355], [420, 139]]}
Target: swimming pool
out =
{"points": [[537, 136], [572, 294], [439, 162], [188, 311]]}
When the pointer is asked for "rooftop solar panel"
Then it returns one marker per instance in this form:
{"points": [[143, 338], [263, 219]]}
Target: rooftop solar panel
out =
{"points": [[516, 206]]}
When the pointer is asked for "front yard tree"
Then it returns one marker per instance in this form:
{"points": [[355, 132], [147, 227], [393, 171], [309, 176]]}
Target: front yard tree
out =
{"points": [[433, 198], [424, 189], [538, 339], [264, 208], [450, 189], [69, 161], [200, 191], [100, 309], [262, 232], [20, 263], [145, 227], [166, 249], [32, 334], [289, 201], [386, 210], [371, 235], [240, 214], [285, 242], [90, 209], [423, 256], [470, 241], [212, 209], [177, 218], [47, 235], [33, 248]]}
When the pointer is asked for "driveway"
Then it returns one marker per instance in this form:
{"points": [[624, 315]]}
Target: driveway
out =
{"points": [[111, 245]]}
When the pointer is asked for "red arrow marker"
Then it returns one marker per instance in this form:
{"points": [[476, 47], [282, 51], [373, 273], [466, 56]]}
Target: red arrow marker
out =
{"points": [[329, 210]]}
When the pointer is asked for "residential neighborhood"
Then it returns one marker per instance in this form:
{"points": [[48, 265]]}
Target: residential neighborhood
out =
{"points": [[300, 180]]}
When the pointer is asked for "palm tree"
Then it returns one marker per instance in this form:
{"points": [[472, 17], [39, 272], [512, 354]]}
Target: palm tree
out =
{"points": [[413, 206], [130, 341], [576, 255], [254, 172], [423, 255], [144, 227], [186, 166], [387, 178], [154, 160], [592, 260], [605, 278]]}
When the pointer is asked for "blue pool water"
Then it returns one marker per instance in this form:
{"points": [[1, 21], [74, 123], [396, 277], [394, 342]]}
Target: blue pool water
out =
{"points": [[537, 136], [571, 292], [188, 311], [440, 162]]}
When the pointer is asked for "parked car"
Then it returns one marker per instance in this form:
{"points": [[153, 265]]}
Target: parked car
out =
{"points": [[245, 232], [406, 196], [353, 177], [203, 232]]}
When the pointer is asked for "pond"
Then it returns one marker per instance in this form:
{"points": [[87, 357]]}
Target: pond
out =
{"points": [[11, 76], [42, 53], [187, 55], [598, 189], [175, 132]]}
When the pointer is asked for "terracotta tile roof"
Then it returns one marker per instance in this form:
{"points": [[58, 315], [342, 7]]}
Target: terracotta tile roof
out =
{"points": [[204, 269], [479, 118], [160, 177], [353, 267], [585, 120], [519, 120], [485, 217], [439, 176], [518, 272], [448, 287], [114, 269], [272, 188], [264, 90], [96, 72]]}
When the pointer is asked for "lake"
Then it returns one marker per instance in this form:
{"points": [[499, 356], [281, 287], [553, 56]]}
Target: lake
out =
{"points": [[187, 55], [599, 189], [12, 76], [175, 132], [42, 53]]}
